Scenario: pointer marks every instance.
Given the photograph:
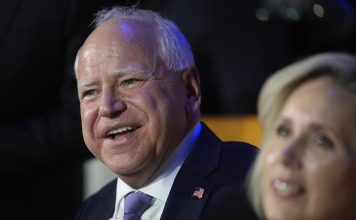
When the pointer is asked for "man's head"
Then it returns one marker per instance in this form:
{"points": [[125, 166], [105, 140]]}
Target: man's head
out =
{"points": [[139, 91]]}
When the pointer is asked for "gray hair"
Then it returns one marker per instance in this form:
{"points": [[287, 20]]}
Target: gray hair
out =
{"points": [[173, 48], [340, 67]]}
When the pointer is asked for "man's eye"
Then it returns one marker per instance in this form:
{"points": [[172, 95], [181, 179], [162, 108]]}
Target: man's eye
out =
{"points": [[283, 130], [88, 93], [131, 83], [324, 141]]}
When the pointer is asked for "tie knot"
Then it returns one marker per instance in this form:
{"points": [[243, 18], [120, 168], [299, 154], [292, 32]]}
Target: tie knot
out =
{"points": [[135, 204]]}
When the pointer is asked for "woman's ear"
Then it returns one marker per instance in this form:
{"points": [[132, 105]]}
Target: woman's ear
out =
{"points": [[192, 84]]}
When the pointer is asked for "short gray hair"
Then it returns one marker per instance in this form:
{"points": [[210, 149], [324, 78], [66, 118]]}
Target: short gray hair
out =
{"points": [[341, 67], [173, 48]]}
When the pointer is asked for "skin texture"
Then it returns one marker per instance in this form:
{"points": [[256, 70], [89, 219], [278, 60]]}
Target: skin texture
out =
{"points": [[312, 152], [123, 83]]}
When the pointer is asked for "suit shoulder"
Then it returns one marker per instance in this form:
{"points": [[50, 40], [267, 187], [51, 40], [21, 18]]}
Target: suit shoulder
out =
{"points": [[236, 158], [99, 204], [240, 148]]}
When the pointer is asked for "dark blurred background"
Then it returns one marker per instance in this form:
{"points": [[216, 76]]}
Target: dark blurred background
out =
{"points": [[238, 44]]}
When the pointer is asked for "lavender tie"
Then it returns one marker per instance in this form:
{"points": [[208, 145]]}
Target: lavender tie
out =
{"points": [[135, 204]]}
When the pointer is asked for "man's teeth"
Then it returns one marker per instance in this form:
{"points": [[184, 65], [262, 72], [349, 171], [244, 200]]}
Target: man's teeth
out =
{"points": [[285, 187], [119, 130]]}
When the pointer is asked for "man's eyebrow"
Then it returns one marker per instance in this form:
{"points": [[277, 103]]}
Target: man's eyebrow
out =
{"points": [[133, 71], [84, 83]]}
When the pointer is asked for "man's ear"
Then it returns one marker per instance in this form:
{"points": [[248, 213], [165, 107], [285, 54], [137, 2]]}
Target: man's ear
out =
{"points": [[192, 84]]}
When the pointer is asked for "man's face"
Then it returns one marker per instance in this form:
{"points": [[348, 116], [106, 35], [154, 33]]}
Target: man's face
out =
{"points": [[133, 110]]}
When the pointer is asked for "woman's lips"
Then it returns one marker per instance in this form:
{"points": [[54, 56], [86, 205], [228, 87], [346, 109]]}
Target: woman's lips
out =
{"points": [[286, 188]]}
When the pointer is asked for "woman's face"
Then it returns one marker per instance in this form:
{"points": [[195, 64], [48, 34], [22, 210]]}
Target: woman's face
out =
{"points": [[308, 163]]}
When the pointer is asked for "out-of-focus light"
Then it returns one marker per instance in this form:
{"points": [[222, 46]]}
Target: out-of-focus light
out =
{"points": [[292, 14], [318, 10], [262, 14]]}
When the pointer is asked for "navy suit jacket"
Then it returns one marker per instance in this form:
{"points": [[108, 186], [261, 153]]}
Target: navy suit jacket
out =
{"points": [[217, 167]]}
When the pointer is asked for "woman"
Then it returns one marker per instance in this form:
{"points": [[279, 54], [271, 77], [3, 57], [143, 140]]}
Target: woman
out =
{"points": [[307, 166]]}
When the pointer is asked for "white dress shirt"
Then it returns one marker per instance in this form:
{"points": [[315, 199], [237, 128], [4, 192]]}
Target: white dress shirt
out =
{"points": [[161, 185]]}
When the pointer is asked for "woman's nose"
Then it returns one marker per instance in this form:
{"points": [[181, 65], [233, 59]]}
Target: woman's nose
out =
{"points": [[291, 154], [111, 104]]}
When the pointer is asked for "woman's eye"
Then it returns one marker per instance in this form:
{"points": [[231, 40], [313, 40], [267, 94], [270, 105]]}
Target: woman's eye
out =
{"points": [[323, 141], [283, 130]]}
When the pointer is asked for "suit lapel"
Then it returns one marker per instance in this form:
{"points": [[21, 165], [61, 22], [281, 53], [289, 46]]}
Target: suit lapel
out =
{"points": [[181, 203], [101, 205], [203, 159], [9, 10]]}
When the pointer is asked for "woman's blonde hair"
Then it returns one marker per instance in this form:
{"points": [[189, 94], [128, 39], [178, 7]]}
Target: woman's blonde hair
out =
{"points": [[341, 67]]}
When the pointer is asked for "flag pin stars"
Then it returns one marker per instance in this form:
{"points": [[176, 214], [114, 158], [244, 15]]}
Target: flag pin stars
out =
{"points": [[198, 193]]}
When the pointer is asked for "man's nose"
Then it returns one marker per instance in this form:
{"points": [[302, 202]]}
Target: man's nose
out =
{"points": [[111, 104]]}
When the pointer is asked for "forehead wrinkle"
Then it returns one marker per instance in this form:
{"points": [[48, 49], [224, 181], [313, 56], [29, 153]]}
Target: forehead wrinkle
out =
{"points": [[132, 70], [92, 53], [84, 83]]}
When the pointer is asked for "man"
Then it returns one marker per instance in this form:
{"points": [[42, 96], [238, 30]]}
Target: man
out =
{"points": [[139, 97]]}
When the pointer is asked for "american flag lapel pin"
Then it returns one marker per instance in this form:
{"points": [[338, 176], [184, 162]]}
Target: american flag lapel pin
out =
{"points": [[198, 193]]}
